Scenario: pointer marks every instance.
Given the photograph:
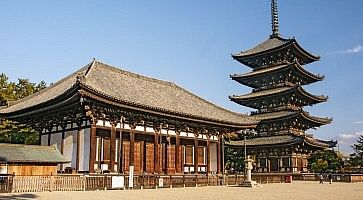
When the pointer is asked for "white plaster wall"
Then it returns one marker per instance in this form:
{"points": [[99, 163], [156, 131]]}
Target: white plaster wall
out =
{"points": [[70, 142], [107, 123], [139, 128], [213, 157], [171, 132], [183, 134], [99, 123], [149, 129], [84, 149], [44, 140], [56, 138], [81, 149], [164, 131], [126, 126]]}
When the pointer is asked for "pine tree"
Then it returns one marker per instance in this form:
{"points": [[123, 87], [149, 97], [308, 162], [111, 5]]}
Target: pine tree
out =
{"points": [[10, 132], [325, 161], [356, 158]]}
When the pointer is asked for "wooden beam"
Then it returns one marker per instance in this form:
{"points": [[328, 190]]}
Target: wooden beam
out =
{"points": [[196, 157], [62, 147], [177, 145], [120, 156], [156, 152], [132, 147], [113, 147], [78, 148], [208, 154], [219, 155], [49, 137], [93, 147]]}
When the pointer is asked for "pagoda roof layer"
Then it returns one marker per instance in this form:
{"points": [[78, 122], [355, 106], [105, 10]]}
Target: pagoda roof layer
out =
{"points": [[263, 72], [270, 93], [282, 140], [131, 89], [272, 44], [288, 114]]}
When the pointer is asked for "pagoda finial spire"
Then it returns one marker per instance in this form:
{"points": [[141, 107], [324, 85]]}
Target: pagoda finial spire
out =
{"points": [[274, 18]]}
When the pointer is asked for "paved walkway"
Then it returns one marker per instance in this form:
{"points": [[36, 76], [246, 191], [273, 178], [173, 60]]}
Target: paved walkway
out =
{"points": [[281, 191]]}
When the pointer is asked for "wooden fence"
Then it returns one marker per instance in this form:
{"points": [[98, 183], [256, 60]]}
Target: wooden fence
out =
{"points": [[6, 184], [18, 184]]}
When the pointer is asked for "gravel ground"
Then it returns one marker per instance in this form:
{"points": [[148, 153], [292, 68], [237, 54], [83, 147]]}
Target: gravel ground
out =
{"points": [[281, 191]]}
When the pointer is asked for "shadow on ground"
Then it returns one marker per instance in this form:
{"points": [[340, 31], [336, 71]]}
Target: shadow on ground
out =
{"points": [[18, 196]]}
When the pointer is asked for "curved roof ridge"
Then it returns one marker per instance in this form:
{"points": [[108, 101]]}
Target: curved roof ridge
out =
{"points": [[302, 69], [12, 103], [320, 119], [264, 92], [318, 97], [270, 43], [136, 75], [214, 105]]}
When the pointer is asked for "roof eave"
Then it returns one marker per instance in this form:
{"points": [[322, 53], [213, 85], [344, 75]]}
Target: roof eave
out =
{"points": [[90, 92]]}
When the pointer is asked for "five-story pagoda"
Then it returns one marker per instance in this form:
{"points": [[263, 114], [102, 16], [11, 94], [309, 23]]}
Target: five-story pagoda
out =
{"points": [[277, 77]]}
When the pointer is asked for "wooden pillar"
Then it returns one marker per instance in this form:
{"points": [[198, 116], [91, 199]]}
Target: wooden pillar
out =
{"points": [[113, 147], [222, 154], [196, 157], [49, 137], [120, 155], [219, 155], [78, 147], [40, 131], [208, 154], [156, 152], [177, 145], [62, 145], [132, 147], [92, 146]]}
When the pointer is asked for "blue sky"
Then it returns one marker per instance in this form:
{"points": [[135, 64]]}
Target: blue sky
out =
{"points": [[190, 42]]}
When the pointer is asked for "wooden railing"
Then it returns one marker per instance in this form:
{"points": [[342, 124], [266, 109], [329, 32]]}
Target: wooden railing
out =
{"points": [[19, 184], [6, 183], [47, 183]]}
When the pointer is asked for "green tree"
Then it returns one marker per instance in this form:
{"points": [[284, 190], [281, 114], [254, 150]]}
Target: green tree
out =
{"points": [[10, 132], [356, 158], [325, 161], [234, 159]]}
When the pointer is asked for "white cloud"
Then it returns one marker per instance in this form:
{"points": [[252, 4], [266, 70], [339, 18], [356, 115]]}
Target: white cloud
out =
{"points": [[345, 136], [346, 140], [358, 122], [355, 49]]}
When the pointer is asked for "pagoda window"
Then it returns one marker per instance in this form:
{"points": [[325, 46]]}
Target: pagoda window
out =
{"points": [[202, 156], [106, 154], [189, 151], [285, 162], [263, 162]]}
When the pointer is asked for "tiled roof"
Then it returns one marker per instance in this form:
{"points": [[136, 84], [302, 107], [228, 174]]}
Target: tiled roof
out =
{"points": [[323, 143], [138, 90], [270, 140], [266, 70], [261, 93], [288, 114], [49, 93], [279, 90], [282, 140], [270, 43], [10, 153]]}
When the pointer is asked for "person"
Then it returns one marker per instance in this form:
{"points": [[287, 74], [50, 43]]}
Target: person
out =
{"points": [[330, 176], [321, 179]]}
